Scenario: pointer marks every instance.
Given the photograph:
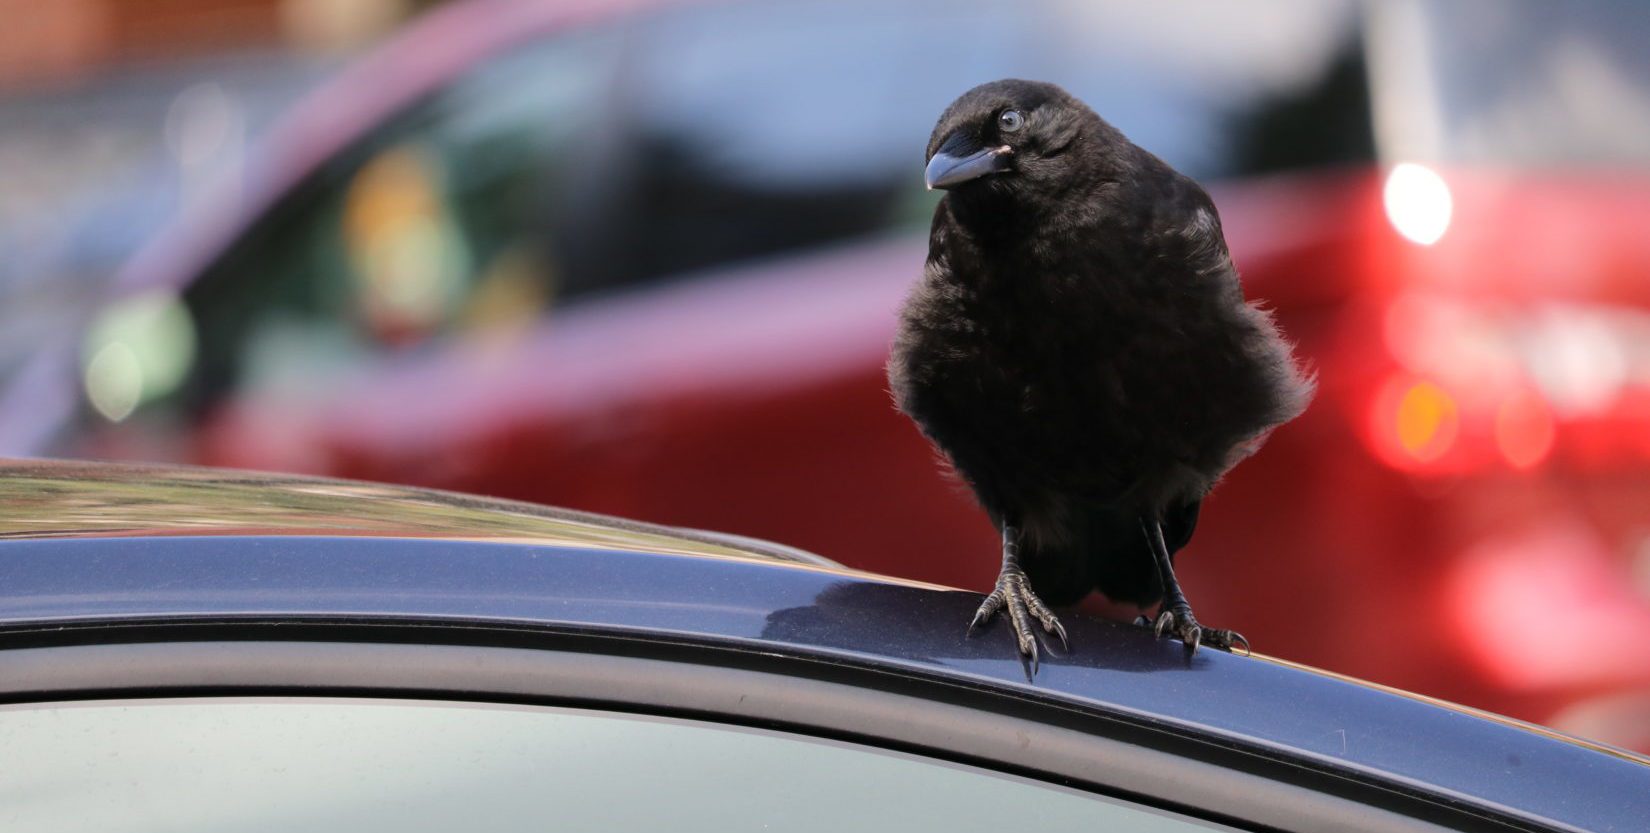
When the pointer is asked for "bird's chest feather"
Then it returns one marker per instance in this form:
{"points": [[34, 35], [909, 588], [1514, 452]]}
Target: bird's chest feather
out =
{"points": [[1063, 338], [1074, 357]]}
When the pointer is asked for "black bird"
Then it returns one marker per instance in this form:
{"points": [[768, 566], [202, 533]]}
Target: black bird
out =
{"points": [[1080, 350]]}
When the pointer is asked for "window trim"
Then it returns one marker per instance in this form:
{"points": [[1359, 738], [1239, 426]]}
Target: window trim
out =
{"points": [[947, 720]]}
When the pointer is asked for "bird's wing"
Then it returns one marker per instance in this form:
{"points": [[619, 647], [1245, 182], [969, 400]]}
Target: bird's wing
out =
{"points": [[1185, 227]]}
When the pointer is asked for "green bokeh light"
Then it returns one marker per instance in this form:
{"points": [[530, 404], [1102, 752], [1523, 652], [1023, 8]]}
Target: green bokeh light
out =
{"points": [[138, 350]]}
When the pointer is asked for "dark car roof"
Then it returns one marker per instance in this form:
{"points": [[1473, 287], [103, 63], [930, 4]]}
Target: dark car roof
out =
{"points": [[101, 543]]}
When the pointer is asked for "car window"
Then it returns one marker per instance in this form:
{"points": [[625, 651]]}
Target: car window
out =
{"points": [[381, 765], [431, 225]]}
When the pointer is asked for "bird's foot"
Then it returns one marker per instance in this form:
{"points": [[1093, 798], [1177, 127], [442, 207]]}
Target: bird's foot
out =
{"points": [[1013, 592], [1178, 620]]}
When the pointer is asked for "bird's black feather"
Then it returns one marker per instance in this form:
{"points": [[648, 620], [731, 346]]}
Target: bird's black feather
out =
{"points": [[1079, 345]]}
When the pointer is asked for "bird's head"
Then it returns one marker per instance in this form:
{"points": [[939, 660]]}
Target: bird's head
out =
{"points": [[1011, 135]]}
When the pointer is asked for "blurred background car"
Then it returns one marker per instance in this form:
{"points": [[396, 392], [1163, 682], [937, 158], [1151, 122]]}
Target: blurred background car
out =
{"points": [[643, 258]]}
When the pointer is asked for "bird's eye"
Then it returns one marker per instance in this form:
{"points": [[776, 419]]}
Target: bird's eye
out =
{"points": [[1010, 121]]}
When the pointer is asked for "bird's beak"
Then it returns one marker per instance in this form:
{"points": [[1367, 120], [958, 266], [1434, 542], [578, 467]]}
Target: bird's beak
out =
{"points": [[952, 165]]}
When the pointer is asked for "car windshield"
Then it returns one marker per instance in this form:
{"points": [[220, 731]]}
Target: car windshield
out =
{"points": [[364, 765]]}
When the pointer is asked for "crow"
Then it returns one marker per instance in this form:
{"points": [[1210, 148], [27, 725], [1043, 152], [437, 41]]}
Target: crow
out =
{"points": [[1080, 351]]}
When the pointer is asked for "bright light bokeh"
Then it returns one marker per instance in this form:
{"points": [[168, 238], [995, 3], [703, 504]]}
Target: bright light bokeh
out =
{"points": [[1413, 422], [114, 381], [140, 349], [1418, 203], [1426, 421]]}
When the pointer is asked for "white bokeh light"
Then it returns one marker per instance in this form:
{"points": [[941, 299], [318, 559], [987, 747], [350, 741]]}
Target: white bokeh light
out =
{"points": [[1418, 203]]}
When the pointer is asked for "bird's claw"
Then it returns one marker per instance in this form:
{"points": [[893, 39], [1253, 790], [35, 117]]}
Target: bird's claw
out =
{"points": [[1013, 593], [1227, 640], [1180, 622]]}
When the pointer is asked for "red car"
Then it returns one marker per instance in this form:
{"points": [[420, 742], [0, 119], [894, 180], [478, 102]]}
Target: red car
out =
{"points": [[648, 264]]}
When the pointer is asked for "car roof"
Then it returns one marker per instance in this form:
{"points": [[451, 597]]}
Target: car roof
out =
{"points": [[92, 542], [83, 499]]}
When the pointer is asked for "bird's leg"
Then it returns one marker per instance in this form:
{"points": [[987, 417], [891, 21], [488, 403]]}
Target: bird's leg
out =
{"points": [[1013, 591], [1176, 615]]}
